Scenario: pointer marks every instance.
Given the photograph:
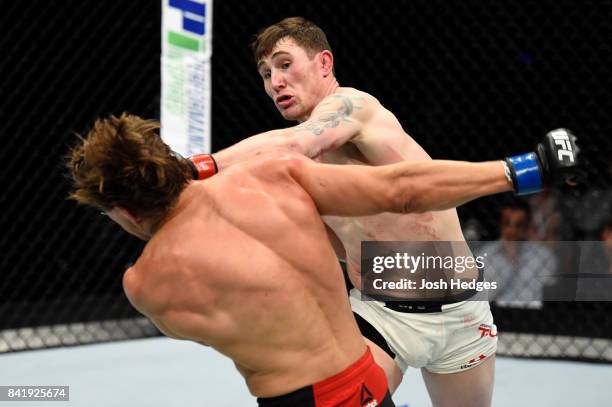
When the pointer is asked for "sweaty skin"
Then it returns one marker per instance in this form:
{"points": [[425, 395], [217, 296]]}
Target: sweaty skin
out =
{"points": [[241, 263]]}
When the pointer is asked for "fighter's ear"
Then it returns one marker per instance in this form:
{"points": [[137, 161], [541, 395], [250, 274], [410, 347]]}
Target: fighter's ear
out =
{"points": [[127, 214], [122, 216], [326, 62], [131, 223]]}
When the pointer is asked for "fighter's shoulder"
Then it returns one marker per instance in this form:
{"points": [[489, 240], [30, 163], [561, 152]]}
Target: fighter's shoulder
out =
{"points": [[283, 159], [135, 281], [358, 94], [167, 252], [351, 102], [274, 163]]}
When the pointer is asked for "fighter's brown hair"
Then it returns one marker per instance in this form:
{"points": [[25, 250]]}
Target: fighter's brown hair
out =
{"points": [[122, 162], [305, 33]]}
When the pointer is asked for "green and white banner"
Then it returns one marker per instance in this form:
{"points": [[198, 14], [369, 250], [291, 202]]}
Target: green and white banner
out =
{"points": [[185, 75]]}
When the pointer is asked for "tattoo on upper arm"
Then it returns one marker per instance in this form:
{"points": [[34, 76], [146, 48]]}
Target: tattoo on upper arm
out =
{"points": [[331, 119]]}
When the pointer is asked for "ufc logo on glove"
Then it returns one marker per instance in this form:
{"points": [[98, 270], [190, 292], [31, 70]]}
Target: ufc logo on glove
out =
{"points": [[562, 140]]}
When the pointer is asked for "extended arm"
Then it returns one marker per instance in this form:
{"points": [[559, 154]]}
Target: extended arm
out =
{"points": [[416, 186], [335, 121], [421, 186]]}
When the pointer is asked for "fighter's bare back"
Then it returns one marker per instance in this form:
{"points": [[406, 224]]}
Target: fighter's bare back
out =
{"points": [[250, 279]]}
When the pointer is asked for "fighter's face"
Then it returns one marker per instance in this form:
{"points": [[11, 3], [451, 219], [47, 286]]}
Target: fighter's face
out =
{"points": [[292, 79]]}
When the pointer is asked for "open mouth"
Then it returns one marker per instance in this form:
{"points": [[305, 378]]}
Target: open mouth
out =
{"points": [[283, 100]]}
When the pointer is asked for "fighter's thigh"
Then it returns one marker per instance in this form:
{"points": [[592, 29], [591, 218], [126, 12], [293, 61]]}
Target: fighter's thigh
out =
{"points": [[382, 358], [469, 388]]}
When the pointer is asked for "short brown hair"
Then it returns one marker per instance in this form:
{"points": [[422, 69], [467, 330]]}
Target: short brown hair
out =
{"points": [[305, 33], [123, 162]]}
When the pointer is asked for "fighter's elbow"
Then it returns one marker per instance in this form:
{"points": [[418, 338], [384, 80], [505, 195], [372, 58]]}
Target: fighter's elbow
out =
{"points": [[295, 145], [309, 149]]}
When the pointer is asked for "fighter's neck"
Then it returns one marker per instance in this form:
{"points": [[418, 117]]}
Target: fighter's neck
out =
{"points": [[152, 225], [332, 88], [329, 89], [185, 199]]}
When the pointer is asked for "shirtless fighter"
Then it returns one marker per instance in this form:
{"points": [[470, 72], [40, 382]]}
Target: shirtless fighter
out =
{"points": [[346, 126], [241, 261]]}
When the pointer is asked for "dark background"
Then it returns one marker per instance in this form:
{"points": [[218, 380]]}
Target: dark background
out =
{"points": [[469, 80]]}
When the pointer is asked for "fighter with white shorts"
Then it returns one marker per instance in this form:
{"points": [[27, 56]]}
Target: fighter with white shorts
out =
{"points": [[341, 125]]}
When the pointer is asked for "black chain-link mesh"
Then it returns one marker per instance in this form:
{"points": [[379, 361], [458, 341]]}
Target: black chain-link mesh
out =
{"points": [[63, 65], [468, 80]]}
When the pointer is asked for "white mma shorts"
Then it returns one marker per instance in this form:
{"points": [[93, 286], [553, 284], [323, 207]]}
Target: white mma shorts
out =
{"points": [[458, 338]]}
